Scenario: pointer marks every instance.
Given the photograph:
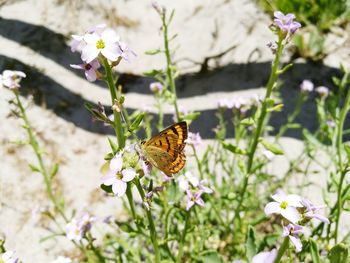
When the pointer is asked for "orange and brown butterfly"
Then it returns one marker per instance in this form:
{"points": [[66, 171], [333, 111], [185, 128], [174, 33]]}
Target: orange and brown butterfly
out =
{"points": [[166, 149]]}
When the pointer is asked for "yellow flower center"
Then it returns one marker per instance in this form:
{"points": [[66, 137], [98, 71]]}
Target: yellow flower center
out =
{"points": [[100, 44], [119, 175], [283, 204]]}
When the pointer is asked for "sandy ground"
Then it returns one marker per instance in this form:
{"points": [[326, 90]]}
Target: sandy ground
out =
{"points": [[33, 34]]}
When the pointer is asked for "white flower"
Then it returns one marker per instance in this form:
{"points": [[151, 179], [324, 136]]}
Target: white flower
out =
{"points": [[105, 43], [265, 257], [11, 79], [285, 205], [74, 231], [118, 177], [194, 139], [62, 259], [292, 232], [306, 86], [9, 257], [186, 179], [322, 91]]}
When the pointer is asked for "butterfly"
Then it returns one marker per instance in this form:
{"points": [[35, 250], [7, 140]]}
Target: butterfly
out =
{"points": [[166, 149]]}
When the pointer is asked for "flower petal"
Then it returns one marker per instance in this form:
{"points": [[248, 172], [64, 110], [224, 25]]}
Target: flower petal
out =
{"points": [[291, 213], [77, 66], [116, 163], [90, 75], [91, 38], [128, 174], [111, 52], [279, 196], [110, 36], [272, 208], [119, 188], [294, 200], [189, 205], [296, 242], [89, 53], [108, 179]]}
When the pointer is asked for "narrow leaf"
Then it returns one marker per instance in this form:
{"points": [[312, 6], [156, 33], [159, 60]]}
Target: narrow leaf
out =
{"points": [[250, 244], [271, 147], [234, 149], [314, 251]]}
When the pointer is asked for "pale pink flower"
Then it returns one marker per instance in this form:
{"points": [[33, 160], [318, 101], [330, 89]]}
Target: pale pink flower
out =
{"points": [[62, 259], [193, 199], [156, 87], [89, 68], [306, 86], [311, 211], [105, 43], [286, 23], [225, 104], [11, 79], [265, 257], [9, 257], [322, 91], [194, 139], [78, 40], [285, 205], [73, 231], [186, 179], [292, 232], [118, 177], [272, 47], [125, 51]]}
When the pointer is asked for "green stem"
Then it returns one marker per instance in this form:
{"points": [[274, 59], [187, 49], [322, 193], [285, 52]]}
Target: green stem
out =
{"points": [[169, 67], [118, 127], [254, 144], [282, 250], [38, 153], [342, 116], [183, 237], [152, 227]]}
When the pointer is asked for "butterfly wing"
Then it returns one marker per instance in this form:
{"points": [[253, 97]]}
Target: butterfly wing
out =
{"points": [[165, 150]]}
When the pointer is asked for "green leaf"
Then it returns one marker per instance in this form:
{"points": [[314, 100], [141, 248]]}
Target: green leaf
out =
{"points": [[153, 73], [34, 168], [210, 256], [293, 126], [314, 251], [311, 138], [247, 121], [136, 123], [271, 147], [54, 170], [250, 244], [234, 149], [339, 254], [106, 188], [191, 116], [153, 52], [125, 227], [113, 145], [277, 107]]}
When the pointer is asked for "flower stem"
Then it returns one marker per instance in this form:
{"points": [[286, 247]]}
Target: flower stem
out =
{"points": [[38, 153], [170, 66], [272, 79], [152, 227], [183, 237], [117, 117], [282, 250], [342, 116]]}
